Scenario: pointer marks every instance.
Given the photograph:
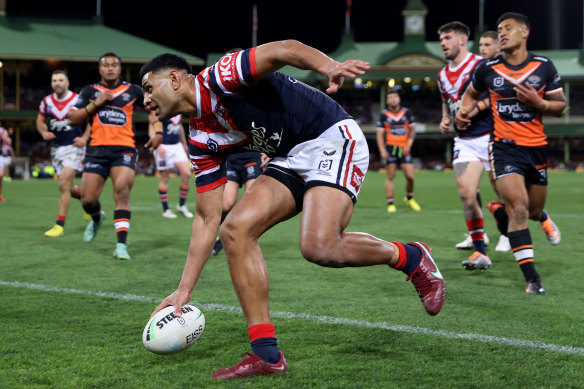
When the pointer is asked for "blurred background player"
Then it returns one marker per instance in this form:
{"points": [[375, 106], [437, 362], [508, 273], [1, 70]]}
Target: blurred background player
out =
{"points": [[67, 144], [172, 153], [5, 156], [111, 150], [395, 137], [523, 87], [242, 170], [470, 156], [489, 48]]}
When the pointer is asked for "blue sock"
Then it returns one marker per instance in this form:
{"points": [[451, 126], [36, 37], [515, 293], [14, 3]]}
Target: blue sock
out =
{"points": [[267, 349]]}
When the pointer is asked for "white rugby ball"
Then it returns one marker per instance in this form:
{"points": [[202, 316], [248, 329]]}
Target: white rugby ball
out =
{"points": [[166, 333]]}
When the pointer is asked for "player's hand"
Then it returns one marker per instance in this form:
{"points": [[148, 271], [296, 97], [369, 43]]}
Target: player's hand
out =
{"points": [[462, 119], [102, 99], [47, 135], [445, 125], [154, 142], [406, 150], [350, 68], [265, 161], [528, 95], [384, 154], [79, 142], [177, 299]]}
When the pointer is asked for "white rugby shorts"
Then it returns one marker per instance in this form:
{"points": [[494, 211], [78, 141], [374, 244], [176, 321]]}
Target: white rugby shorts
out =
{"points": [[174, 153], [70, 156], [5, 162], [339, 158], [472, 149]]}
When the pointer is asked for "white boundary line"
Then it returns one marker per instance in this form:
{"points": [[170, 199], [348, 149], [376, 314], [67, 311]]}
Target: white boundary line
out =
{"points": [[528, 344]]}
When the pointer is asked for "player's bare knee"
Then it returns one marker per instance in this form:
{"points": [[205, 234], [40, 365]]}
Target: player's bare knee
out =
{"points": [[319, 253]]}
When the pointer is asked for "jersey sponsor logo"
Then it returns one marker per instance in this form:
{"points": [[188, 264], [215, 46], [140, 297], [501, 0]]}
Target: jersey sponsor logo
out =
{"points": [[59, 125], [329, 153], [261, 143], [511, 110], [112, 116], [212, 145]]}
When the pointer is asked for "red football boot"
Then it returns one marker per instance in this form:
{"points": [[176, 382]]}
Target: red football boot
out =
{"points": [[428, 281], [252, 365]]}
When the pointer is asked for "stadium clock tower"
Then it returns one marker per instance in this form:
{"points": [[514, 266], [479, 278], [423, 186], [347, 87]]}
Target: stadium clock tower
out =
{"points": [[414, 14]]}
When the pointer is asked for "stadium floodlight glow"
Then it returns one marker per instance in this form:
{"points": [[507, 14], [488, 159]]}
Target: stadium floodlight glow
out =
{"points": [[358, 83], [427, 79], [407, 80], [391, 82], [1, 64]]}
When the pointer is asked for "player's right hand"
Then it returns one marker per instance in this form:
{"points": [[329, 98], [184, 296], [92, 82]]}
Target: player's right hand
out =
{"points": [[177, 299], [384, 155], [48, 135], [445, 125], [102, 99]]}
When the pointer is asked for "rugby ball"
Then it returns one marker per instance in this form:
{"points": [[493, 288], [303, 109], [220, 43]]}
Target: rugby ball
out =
{"points": [[166, 333]]}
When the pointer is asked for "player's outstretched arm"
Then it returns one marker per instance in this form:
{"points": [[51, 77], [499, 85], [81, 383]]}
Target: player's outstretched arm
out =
{"points": [[275, 55], [205, 227]]}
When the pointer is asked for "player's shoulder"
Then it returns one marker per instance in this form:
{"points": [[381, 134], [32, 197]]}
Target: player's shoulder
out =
{"points": [[539, 58], [489, 63]]}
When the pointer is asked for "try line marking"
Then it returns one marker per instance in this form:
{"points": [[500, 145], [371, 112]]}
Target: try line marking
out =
{"points": [[528, 344]]}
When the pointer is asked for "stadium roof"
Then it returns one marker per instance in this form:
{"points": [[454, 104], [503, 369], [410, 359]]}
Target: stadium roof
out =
{"points": [[74, 40]]}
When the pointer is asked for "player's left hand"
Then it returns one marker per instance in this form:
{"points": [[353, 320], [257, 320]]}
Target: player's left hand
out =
{"points": [[462, 119], [528, 95], [350, 68]]}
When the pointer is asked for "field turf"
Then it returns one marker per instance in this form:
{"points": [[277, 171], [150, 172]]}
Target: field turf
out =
{"points": [[72, 316]]}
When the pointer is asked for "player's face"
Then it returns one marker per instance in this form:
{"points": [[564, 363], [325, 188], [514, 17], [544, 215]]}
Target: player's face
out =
{"points": [[110, 69], [512, 34], [393, 100], [489, 48], [158, 95], [59, 83], [451, 43]]}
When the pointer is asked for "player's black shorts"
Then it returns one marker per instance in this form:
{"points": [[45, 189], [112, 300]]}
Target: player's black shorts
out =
{"points": [[243, 167], [396, 156], [100, 159], [530, 162]]}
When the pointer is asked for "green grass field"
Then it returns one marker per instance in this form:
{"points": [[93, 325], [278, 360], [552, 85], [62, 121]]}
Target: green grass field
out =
{"points": [[72, 316]]}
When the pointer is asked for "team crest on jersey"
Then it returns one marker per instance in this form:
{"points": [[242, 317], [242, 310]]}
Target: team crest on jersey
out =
{"points": [[498, 81], [357, 178], [126, 96], [535, 81]]}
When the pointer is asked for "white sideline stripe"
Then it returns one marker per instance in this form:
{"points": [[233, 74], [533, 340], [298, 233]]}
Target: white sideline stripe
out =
{"points": [[322, 319]]}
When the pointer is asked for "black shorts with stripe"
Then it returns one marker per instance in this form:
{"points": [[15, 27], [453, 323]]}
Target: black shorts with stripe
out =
{"points": [[530, 162], [100, 159]]}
